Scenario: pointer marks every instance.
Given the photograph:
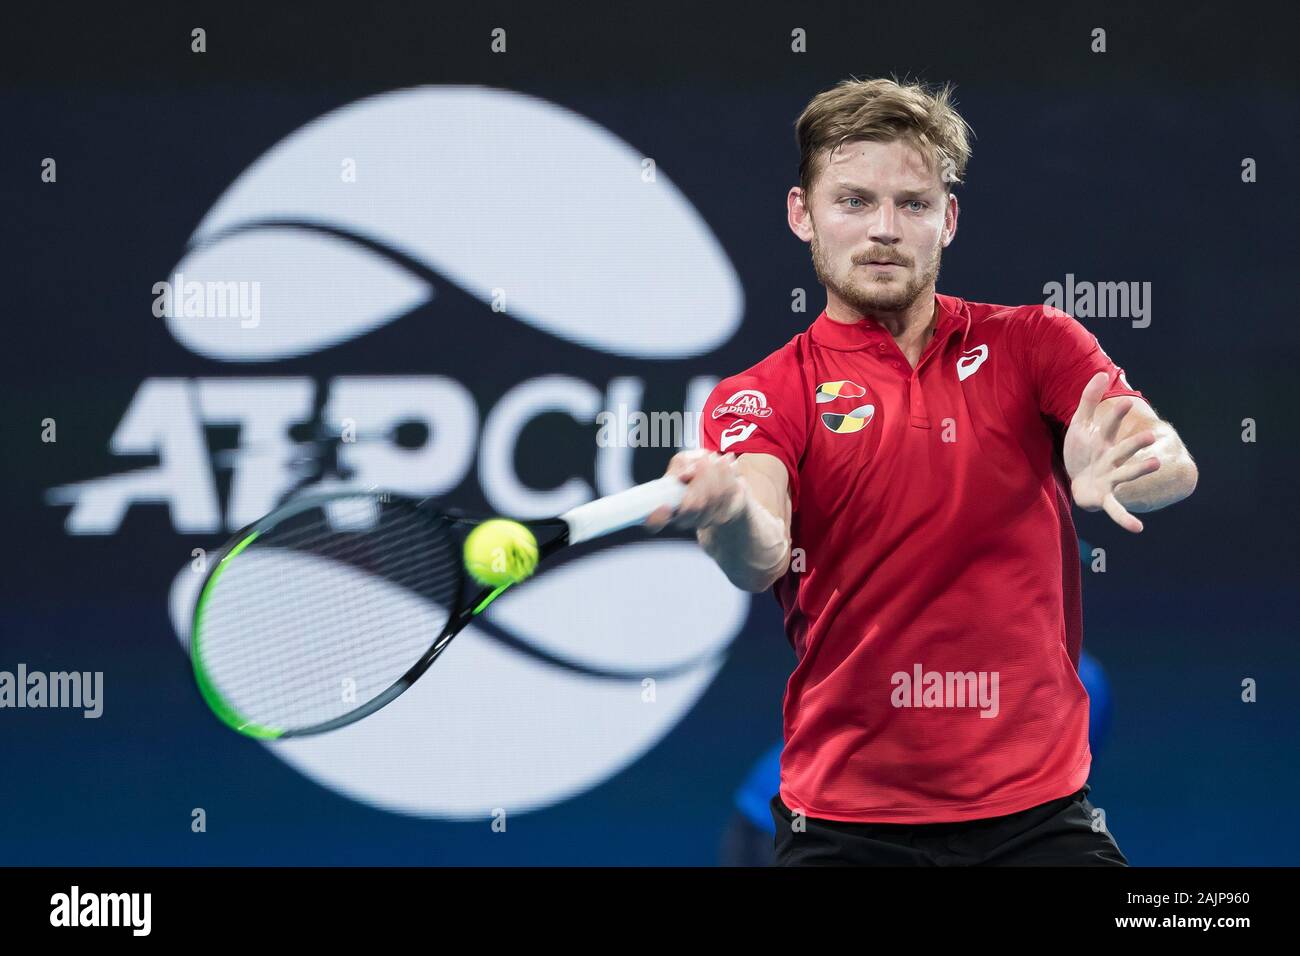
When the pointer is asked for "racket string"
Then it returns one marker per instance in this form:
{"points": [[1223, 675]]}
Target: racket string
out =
{"points": [[307, 608], [416, 560]]}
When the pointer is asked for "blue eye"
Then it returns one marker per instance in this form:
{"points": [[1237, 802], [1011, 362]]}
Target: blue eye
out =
{"points": [[853, 199], [918, 202]]}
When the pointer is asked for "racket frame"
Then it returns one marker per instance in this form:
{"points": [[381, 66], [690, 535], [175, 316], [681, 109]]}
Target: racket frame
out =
{"points": [[591, 520], [552, 535]]}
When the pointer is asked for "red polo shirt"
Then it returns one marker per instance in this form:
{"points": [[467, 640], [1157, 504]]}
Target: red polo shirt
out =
{"points": [[933, 602]]}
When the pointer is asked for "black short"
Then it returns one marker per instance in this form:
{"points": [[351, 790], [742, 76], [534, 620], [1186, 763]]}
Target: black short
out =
{"points": [[1062, 832]]}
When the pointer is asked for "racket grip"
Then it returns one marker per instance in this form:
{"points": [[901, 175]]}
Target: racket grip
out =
{"points": [[622, 510]]}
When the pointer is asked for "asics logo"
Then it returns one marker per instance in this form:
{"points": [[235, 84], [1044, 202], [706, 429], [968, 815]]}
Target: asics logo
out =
{"points": [[968, 362], [735, 433]]}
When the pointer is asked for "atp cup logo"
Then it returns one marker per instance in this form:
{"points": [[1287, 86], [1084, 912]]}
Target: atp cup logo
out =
{"points": [[498, 194]]}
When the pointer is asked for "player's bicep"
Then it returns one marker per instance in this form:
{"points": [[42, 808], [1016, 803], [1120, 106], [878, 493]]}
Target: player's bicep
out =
{"points": [[769, 483]]}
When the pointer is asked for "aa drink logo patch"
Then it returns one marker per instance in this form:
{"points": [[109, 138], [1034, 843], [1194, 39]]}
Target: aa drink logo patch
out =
{"points": [[747, 401]]}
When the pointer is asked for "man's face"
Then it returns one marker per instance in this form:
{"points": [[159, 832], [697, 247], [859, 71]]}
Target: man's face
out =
{"points": [[878, 221]]}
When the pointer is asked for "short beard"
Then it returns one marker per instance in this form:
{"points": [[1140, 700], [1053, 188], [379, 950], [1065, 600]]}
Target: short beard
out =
{"points": [[877, 298]]}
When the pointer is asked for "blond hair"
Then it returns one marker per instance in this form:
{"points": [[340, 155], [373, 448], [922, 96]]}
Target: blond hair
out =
{"points": [[883, 110]]}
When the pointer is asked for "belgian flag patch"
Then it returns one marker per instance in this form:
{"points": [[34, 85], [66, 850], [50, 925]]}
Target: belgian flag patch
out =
{"points": [[829, 391], [854, 421]]}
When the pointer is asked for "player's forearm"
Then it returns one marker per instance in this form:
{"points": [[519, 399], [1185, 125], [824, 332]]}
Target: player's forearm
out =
{"points": [[752, 550], [1173, 481]]}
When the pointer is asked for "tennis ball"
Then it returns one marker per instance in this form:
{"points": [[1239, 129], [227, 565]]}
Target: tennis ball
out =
{"points": [[500, 552]]}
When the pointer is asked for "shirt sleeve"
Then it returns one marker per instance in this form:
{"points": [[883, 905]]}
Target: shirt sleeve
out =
{"points": [[756, 412], [1062, 356]]}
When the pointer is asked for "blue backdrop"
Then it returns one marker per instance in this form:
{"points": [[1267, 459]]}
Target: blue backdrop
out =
{"points": [[1124, 166]]}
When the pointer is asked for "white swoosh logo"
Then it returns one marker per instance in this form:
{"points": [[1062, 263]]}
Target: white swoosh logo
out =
{"points": [[971, 360], [483, 187], [478, 186], [479, 730], [737, 432]]}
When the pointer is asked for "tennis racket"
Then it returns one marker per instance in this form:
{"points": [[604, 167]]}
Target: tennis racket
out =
{"points": [[334, 604]]}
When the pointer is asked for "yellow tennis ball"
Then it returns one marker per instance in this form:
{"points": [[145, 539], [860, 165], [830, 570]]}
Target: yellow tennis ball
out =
{"points": [[500, 552]]}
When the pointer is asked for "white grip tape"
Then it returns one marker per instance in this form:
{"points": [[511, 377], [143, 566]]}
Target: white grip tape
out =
{"points": [[622, 510]]}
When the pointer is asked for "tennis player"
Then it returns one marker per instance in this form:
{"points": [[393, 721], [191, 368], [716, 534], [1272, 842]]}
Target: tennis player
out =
{"points": [[902, 472]]}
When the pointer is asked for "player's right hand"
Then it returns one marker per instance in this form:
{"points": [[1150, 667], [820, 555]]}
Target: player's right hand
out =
{"points": [[715, 492]]}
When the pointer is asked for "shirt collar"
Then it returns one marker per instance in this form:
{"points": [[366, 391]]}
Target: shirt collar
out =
{"points": [[954, 319]]}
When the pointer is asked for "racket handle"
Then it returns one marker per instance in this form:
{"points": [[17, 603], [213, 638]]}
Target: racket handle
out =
{"points": [[622, 510]]}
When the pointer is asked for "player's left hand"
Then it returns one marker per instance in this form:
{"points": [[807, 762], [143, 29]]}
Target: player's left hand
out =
{"points": [[1097, 461]]}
